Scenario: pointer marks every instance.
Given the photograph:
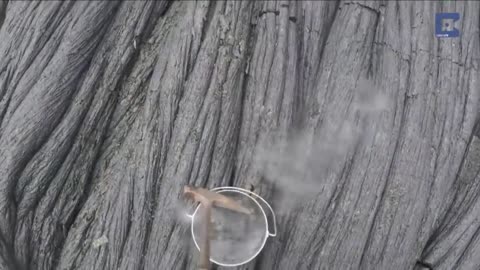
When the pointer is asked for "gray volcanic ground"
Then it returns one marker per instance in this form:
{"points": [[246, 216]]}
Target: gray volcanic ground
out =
{"points": [[352, 118]]}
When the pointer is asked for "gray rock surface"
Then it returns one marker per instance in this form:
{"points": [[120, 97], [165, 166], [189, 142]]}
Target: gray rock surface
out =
{"points": [[350, 117]]}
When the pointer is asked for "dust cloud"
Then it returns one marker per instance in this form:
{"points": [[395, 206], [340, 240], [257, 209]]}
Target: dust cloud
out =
{"points": [[300, 166]]}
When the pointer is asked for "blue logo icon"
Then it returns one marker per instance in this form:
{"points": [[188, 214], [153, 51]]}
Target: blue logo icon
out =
{"points": [[444, 25]]}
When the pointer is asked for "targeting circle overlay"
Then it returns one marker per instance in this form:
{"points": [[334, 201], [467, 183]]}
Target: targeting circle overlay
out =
{"points": [[235, 238]]}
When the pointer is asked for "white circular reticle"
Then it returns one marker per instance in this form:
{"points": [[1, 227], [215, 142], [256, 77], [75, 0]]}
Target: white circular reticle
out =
{"points": [[235, 238]]}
